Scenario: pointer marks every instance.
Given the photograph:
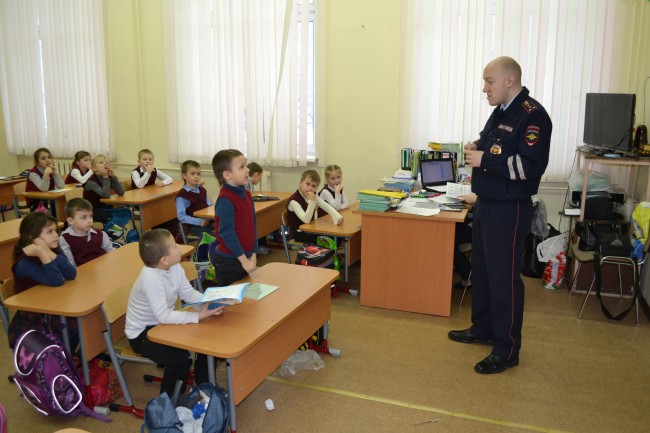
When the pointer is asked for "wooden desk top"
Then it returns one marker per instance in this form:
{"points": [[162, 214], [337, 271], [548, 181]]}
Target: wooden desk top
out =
{"points": [[208, 212], [12, 181], [48, 195], [350, 226], [83, 295], [457, 217], [146, 194], [243, 325], [9, 230]]}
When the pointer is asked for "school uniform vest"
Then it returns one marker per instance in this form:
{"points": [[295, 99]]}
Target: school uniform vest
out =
{"points": [[244, 220], [31, 186], [90, 195], [69, 178], [197, 201], [292, 219], [141, 172], [84, 249], [321, 212]]}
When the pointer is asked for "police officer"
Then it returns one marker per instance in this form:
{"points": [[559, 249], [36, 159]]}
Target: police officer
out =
{"points": [[508, 161]]}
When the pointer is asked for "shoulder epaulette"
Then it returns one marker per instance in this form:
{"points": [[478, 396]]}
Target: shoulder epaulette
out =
{"points": [[529, 106]]}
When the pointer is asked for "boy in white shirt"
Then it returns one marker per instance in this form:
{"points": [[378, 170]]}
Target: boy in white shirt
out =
{"points": [[152, 301], [146, 173]]}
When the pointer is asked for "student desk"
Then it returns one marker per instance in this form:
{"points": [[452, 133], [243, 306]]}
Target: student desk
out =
{"points": [[407, 261], [82, 297], [7, 190], [349, 230], [56, 196], [267, 213], [156, 204], [9, 233], [255, 337]]}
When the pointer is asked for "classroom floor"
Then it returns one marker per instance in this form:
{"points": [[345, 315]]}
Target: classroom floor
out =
{"points": [[399, 372]]}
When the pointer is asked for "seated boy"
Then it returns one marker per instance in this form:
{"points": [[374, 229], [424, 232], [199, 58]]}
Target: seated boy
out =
{"points": [[152, 302], [146, 173], [99, 186], [234, 254], [254, 177], [304, 206], [80, 242], [193, 197]]}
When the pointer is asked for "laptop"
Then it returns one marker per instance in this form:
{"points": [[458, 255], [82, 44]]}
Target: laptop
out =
{"points": [[435, 173]]}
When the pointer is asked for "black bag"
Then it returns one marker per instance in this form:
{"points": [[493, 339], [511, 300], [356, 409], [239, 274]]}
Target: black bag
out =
{"points": [[588, 239], [533, 267], [598, 284]]}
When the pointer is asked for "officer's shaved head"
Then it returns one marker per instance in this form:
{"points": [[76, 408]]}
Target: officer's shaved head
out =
{"points": [[508, 66]]}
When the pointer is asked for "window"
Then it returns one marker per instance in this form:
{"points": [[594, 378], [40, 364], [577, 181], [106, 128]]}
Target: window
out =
{"points": [[53, 76], [240, 74]]}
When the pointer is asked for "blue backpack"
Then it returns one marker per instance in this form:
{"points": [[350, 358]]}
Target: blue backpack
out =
{"points": [[120, 227], [47, 378]]}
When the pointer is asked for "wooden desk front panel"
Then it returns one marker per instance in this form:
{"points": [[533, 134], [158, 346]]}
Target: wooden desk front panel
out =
{"points": [[7, 191], [158, 212], [269, 218], [406, 263], [263, 358]]}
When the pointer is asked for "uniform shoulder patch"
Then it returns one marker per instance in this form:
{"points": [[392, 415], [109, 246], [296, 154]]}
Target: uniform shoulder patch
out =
{"points": [[529, 106], [532, 135]]}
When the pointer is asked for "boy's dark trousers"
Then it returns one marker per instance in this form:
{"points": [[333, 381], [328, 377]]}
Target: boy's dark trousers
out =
{"points": [[177, 362], [227, 269]]}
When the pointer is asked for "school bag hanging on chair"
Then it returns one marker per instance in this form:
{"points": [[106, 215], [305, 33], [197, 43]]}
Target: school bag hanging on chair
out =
{"points": [[47, 378], [120, 228]]}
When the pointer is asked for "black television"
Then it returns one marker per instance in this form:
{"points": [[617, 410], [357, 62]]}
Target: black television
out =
{"points": [[609, 119]]}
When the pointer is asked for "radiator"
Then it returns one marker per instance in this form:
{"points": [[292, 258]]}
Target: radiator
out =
{"points": [[265, 181], [63, 166]]}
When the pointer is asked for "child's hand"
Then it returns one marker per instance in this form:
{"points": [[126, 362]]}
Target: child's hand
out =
{"points": [[250, 265], [339, 222], [159, 183], [207, 312], [110, 171], [149, 168], [338, 188], [204, 222], [39, 249], [48, 171], [310, 195]]}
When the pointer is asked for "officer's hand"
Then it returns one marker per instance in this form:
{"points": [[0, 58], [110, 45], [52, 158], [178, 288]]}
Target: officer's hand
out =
{"points": [[473, 157], [470, 145]]}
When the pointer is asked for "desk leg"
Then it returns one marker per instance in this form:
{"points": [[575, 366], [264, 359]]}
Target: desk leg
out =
{"points": [[141, 220], [231, 398], [84, 364], [212, 376]]}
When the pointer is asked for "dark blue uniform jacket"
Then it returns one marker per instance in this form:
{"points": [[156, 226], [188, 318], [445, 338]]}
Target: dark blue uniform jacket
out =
{"points": [[523, 132]]}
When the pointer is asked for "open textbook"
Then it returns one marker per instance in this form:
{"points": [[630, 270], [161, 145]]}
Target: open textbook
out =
{"points": [[230, 295]]}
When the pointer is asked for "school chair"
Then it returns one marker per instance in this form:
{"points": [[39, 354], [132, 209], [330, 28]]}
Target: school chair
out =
{"points": [[6, 291], [465, 249], [192, 274], [284, 233], [185, 234], [20, 204], [119, 349]]}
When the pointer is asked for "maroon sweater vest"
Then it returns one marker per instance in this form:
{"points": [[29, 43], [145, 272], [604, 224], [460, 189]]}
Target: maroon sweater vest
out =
{"points": [[292, 219], [31, 186], [197, 201], [141, 172], [244, 221], [84, 250], [70, 179], [90, 195]]}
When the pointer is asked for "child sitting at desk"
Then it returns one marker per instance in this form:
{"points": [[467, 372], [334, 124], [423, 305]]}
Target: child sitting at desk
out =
{"points": [[234, 253], [146, 173], [152, 301], [254, 177], [193, 197], [80, 172], [80, 242], [332, 191], [304, 205], [99, 186], [37, 260], [42, 177]]}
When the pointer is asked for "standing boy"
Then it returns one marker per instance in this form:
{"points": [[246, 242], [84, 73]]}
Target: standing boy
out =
{"points": [[234, 254], [193, 197], [152, 301], [146, 173], [80, 242]]}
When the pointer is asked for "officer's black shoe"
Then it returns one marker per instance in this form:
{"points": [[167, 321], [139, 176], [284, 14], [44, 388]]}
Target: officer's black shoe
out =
{"points": [[466, 336], [495, 364]]}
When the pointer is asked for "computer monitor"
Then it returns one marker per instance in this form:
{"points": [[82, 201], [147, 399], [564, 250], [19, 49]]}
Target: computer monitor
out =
{"points": [[609, 119], [436, 172]]}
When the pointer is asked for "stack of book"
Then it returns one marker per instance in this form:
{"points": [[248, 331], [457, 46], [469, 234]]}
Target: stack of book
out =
{"points": [[403, 185], [378, 201]]}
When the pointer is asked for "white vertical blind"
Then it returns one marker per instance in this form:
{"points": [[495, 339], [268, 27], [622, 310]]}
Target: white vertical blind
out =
{"points": [[565, 49], [232, 69], [53, 76]]}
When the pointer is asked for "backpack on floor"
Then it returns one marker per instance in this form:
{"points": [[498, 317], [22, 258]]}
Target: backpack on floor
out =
{"points": [[47, 378], [321, 255], [120, 227]]}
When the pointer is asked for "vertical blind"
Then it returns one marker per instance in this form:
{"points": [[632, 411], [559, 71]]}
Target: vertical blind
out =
{"points": [[565, 48], [232, 77], [53, 76]]}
